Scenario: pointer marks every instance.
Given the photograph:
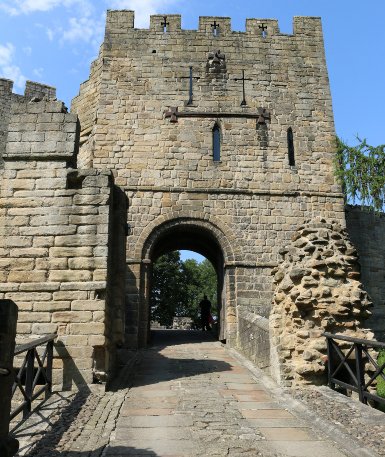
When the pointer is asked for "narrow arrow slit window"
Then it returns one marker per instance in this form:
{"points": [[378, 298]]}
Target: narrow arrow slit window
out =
{"points": [[216, 143], [290, 147]]}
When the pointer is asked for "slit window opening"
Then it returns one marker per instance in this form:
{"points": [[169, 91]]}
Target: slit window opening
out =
{"points": [[216, 143], [290, 147]]}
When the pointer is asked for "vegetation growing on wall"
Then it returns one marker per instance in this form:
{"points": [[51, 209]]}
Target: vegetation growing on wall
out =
{"points": [[361, 171], [178, 287], [380, 379]]}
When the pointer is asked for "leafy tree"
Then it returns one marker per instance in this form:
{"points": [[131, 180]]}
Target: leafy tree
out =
{"points": [[168, 291], [209, 282], [178, 287], [361, 171], [201, 279]]}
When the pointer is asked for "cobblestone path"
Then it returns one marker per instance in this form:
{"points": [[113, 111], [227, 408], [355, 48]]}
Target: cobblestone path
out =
{"points": [[195, 399], [189, 396]]}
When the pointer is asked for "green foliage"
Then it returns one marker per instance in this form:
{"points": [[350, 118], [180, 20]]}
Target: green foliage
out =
{"points": [[361, 171], [380, 380], [178, 287]]}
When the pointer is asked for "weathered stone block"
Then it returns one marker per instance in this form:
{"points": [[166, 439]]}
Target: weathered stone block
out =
{"points": [[43, 329], [72, 316], [69, 275], [88, 305], [87, 329], [34, 317], [84, 251], [27, 276], [52, 306]]}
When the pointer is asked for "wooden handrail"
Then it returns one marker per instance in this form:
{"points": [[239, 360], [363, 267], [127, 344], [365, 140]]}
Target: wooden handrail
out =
{"points": [[373, 344], [32, 344]]}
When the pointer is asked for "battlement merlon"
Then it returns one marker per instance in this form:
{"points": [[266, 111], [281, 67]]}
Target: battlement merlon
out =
{"points": [[38, 90], [121, 21], [32, 90], [36, 126], [6, 86]]}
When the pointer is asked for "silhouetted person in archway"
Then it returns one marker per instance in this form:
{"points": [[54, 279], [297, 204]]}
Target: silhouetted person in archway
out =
{"points": [[205, 306]]}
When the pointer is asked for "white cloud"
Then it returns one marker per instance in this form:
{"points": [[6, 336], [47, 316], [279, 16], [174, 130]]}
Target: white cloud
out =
{"points": [[85, 29], [8, 69], [27, 50], [14, 73], [143, 8], [16, 7], [50, 34], [6, 53], [38, 72]]}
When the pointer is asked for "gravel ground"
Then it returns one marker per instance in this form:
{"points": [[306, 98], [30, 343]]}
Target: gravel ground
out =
{"points": [[361, 422]]}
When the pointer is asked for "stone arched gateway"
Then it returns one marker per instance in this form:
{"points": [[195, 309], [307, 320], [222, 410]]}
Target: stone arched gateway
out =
{"points": [[207, 237], [139, 150]]}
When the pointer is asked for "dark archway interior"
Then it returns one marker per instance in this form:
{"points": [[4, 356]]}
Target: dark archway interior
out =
{"points": [[190, 238], [198, 239]]}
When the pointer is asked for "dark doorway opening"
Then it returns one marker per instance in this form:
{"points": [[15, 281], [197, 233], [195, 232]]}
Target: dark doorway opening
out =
{"points": [[190, 237]]}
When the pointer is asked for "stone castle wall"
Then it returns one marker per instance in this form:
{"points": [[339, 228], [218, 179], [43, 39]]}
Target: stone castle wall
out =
{"points": [[167, 169], [56, 224], [317, 289], [367, 232], [140, 165], [140, 74]]}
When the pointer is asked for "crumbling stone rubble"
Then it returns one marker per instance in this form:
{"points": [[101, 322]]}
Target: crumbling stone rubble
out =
{"points": [[317, 289]]}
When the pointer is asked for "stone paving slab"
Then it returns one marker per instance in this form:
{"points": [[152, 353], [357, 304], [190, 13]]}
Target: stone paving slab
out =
{"points": [[210, 413], [154, 421], [266, 414], [227, 411], [285, 433], [177, 433], [299, 449]]}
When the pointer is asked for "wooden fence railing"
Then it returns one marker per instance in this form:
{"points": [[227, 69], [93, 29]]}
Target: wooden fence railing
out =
{"points": [[33, 379], [346, 366]]}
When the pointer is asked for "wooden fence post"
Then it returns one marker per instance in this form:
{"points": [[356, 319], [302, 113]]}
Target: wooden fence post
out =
{"points": [[8, 320]]}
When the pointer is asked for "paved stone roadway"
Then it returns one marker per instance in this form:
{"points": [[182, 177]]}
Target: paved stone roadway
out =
{"points": [[193, 398]]}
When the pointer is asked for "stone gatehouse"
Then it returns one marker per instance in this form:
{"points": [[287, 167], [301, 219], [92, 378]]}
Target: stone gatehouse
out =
{"points": [[212, 140]]}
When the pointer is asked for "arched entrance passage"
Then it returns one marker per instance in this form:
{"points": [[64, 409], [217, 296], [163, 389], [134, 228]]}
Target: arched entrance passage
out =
{"points": [[186, 234]]}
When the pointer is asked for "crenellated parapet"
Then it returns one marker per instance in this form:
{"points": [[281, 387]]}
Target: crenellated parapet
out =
{"points": [[38, 90], [123, 21], [36, 126]]}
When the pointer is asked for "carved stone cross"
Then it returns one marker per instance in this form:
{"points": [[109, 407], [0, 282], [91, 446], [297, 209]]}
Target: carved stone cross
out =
{"points": [[191, 78], [215, 28], [263, 28], [172, 114], [165, 24], [243, 79], [263, 116]]}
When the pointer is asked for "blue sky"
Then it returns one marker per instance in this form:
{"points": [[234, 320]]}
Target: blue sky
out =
{"points": [[54, 42]]}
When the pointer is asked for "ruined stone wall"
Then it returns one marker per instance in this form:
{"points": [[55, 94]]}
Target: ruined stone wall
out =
{"points": [[165, 165], [367, 232], [57, 223], [317, 289]]}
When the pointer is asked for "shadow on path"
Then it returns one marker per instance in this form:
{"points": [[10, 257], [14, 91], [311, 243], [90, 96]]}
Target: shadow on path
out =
{"points": [[165, 338], [118, 451], [153, 367]]}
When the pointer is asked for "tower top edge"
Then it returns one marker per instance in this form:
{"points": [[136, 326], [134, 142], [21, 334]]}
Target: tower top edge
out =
{"points": [[120, 20]]}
